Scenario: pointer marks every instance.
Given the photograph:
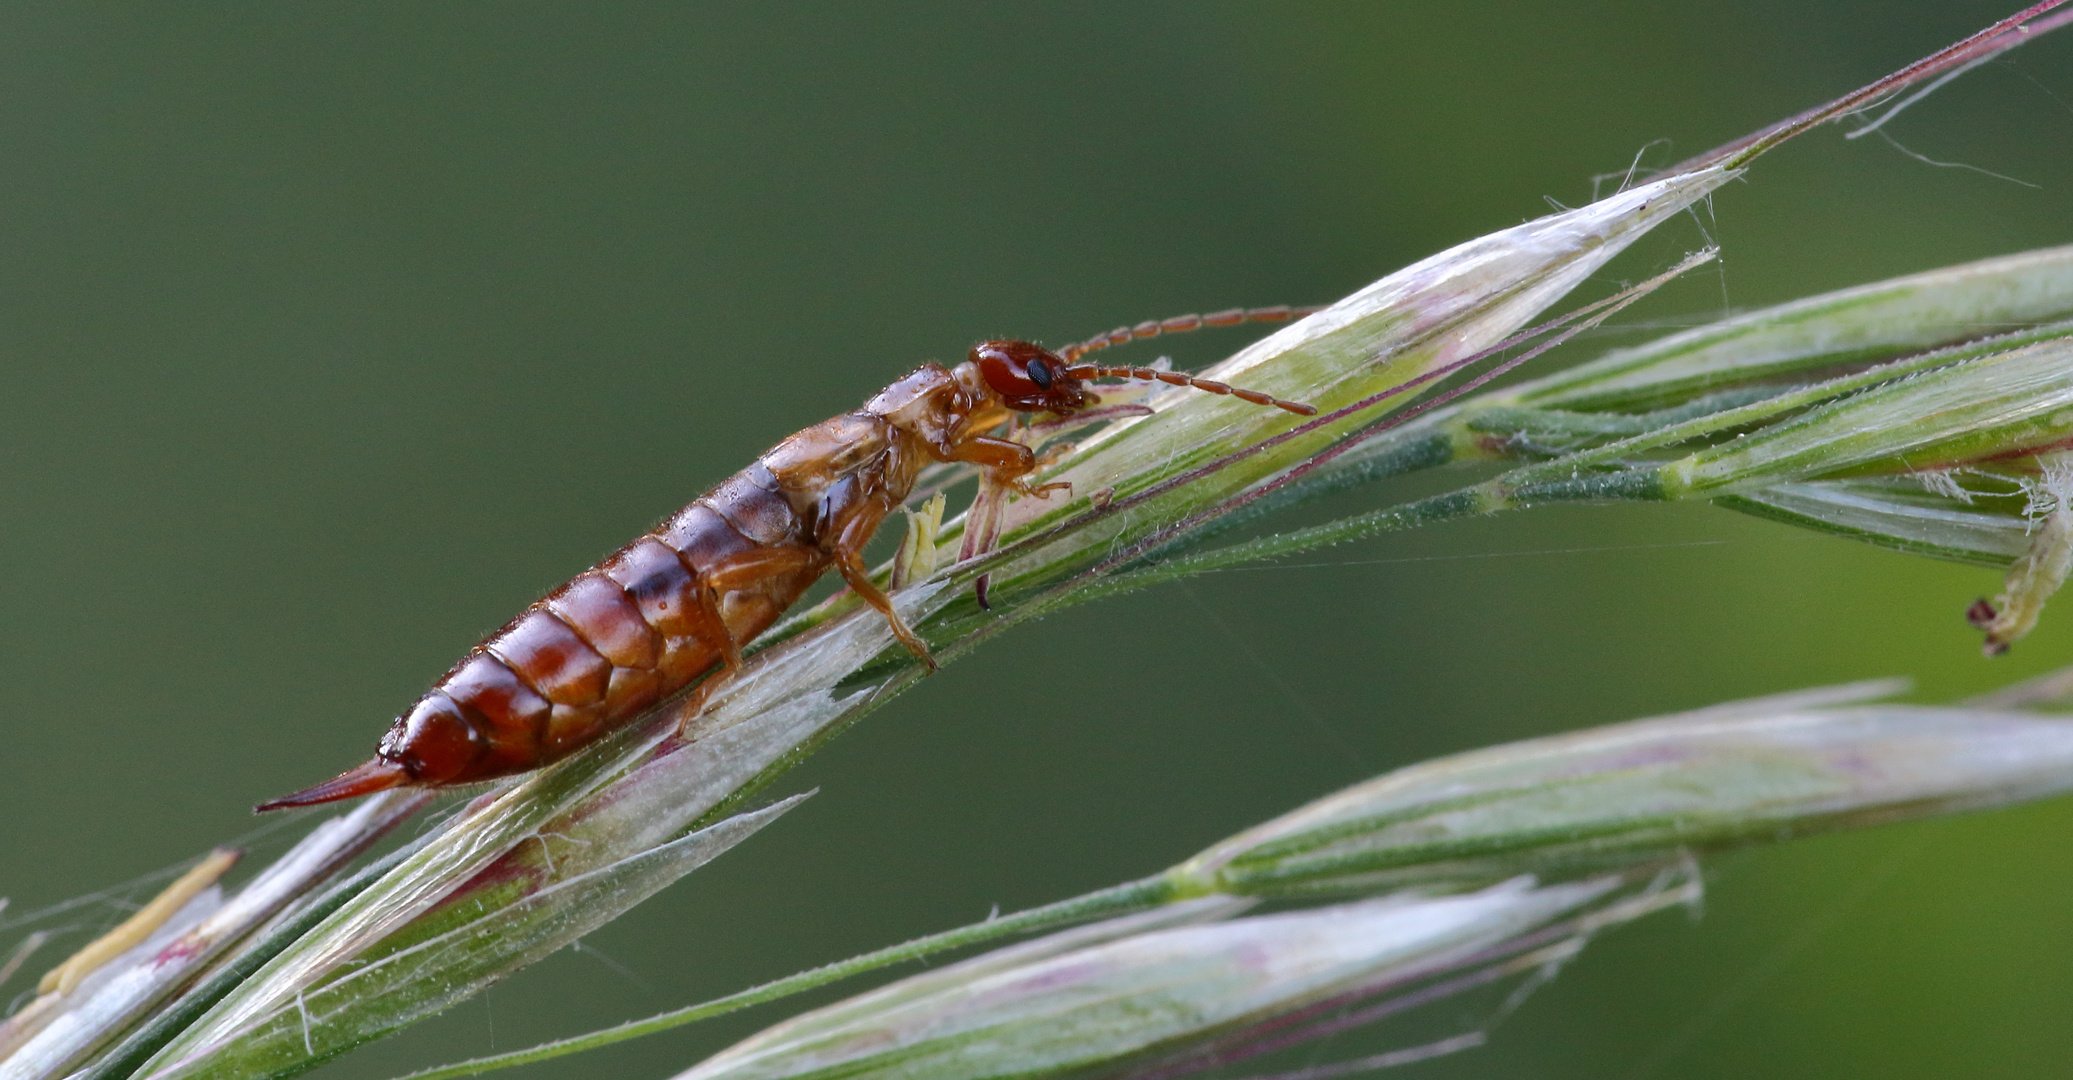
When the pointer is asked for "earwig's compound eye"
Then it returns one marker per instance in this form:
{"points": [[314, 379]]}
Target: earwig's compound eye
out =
{"points": [[1040, 373]]}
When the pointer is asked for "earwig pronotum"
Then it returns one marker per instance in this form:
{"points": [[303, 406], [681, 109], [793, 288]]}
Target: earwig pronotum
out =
{"points": [[665, 609]]}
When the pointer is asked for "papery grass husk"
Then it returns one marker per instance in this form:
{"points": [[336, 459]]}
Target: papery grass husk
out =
{"points": [[1757, 771], [2044, 564], [1096, 1008], [1829, 333], [39, 1037], [1625, 797], [1894, 514], [406, 982]]}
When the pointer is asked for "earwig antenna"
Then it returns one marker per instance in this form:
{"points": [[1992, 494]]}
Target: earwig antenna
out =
{"points": [[1174, 378], [1181, 324]]}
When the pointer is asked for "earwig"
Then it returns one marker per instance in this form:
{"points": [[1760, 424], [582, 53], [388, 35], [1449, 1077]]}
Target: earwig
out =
{"points": [[682, 600]]}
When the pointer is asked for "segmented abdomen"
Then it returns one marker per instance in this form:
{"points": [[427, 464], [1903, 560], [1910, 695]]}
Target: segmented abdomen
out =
{"points": [[598, 651]]}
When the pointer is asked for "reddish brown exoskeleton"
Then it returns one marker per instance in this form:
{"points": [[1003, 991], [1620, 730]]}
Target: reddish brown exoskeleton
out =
{"points": [[668, 607]]}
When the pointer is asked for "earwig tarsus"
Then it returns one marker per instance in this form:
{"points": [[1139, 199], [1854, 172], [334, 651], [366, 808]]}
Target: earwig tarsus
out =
{"points": [[667, 608]]}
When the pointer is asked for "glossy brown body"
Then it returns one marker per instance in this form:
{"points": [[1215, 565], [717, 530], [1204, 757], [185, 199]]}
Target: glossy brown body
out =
{"points": [[682, 599], [675, 603]]}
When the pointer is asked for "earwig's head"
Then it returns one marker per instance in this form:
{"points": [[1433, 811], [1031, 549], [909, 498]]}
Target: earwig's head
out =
{"points": [[1030, 378]]}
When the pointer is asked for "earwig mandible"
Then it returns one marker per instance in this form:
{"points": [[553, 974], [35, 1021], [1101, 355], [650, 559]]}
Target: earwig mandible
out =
{"points": [[665, 609]]}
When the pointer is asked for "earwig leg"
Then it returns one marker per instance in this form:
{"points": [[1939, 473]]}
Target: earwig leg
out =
{"points": [[710, 627], [984, 533], [1038, 491], [850, 564], [751, 568], [1005, 460], [742, 571], [1055, 454], [982, 528]]}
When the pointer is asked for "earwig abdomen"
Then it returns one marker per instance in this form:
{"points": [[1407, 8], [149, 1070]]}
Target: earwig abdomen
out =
{"points": [[433, 742], [595, 653], [547, 653]]}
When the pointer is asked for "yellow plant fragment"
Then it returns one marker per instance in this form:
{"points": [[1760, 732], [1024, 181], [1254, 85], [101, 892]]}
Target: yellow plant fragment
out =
{"points": [[62, 978], [917, 557]]}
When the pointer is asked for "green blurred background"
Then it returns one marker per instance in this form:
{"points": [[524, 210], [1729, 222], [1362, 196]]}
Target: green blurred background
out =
{"points": [[330, 335]]}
